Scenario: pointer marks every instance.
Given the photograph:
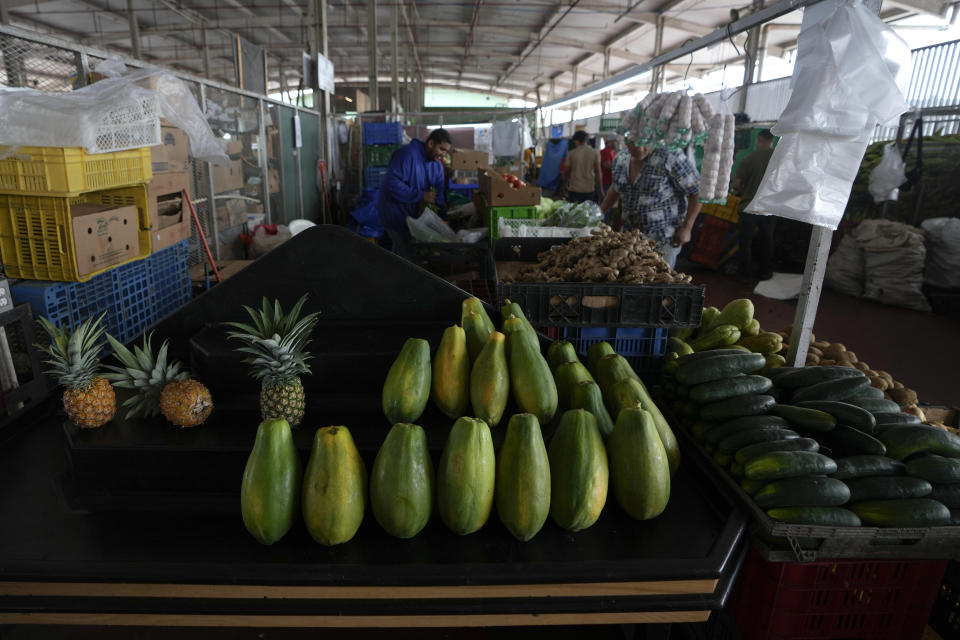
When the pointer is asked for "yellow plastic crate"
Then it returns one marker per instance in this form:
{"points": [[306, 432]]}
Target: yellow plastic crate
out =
{"points": [[71, 170], [729, 211], [36, 232]]}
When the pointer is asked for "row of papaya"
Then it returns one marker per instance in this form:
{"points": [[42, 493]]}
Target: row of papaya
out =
{"points": [[525, 481], [816, 445]]}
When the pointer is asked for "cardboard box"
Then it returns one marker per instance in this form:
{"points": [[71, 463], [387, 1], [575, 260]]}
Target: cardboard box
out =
{"points": [[234, 146], [174, 154], [228, 178], [231, 213], [104, 236], [169, 214], [273, 178], [469, 160], [497, 192]]}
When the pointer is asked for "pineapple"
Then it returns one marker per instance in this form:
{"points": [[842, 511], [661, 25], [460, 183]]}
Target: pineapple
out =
{"points": [[276, 343], [89, 400], [161, 386]]}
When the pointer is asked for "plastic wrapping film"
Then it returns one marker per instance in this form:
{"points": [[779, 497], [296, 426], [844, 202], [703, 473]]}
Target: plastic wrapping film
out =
{"points": [[73, 119], [852, 73]]}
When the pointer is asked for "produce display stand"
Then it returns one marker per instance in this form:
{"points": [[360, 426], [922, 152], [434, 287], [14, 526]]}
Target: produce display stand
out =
{"points": [[138, 523]]}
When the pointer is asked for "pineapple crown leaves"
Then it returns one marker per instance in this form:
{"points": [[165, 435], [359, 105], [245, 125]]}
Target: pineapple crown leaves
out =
{"points": [[74, 357], [275, 341], [144, 373]]}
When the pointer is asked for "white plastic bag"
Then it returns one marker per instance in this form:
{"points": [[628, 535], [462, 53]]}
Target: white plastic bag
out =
{"points": [[886, 177], [943, 252], [430, 227]]}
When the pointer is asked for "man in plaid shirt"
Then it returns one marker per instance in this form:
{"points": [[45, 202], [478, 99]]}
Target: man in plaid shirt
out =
{"points": [[658, 191]]}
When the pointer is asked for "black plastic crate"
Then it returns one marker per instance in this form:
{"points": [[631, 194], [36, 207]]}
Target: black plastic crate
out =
{"points": [[586, 304], [945, 617], [523, 249], [485, 290], [452, 258]]}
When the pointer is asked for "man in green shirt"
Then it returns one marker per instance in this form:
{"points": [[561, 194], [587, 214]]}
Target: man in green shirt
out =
{"points": [[749, 174]]}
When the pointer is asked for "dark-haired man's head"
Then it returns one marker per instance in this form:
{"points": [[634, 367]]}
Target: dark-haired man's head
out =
{"points": [[580, 137], [765, 139], [438, 143]]}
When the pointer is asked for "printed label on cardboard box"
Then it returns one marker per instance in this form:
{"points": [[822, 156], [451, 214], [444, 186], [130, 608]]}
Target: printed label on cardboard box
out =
{"points": [[104, 236]]}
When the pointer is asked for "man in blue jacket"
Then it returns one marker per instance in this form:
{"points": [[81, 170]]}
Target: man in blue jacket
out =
{"points": [[413, 177]]}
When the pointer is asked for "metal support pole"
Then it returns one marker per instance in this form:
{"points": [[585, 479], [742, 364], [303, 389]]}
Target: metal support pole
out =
{"points": [[264, 169], [83, 68], [394, 65], [656, 78], [406, 81], [211, 191], [134, 30], [326, 117], [4, 15], [206, 52], [299, 155], [608, 95], [750, 58], [576, 105], [761, 52], [372, 86], [553, 88]]}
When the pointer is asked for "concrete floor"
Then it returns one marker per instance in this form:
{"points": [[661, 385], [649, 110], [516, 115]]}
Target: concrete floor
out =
{"points": [[917, 348]]}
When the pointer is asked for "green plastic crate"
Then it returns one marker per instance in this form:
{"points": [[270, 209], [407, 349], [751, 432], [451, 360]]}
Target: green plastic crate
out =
{"points": [[378, 155], [513, 213]]}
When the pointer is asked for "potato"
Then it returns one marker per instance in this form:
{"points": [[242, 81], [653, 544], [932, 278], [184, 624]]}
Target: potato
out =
{"points": [[885, 374], [815, 351], [828, 362], [916, 411], [863, 366], [879, 383], [897, 385], [852, 357], [821, 344], [904, 397]]}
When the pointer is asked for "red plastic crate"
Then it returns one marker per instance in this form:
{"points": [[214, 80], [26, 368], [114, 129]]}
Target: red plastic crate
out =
{"points": [[714, 241], [865, 599]]}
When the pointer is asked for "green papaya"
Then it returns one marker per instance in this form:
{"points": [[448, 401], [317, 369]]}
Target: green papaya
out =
{"points": [[579, 474], [476, 333], [513, 309], [475, 305], [587, 395], [639, 470], [523, 478], [334, 487], [401, 482], [568, 375], [632, 393], [451, 373], [532, 384], [516, 331], [560, 352], [596, 351], [407, 388], [490, 380], [612, 369], [270, 490], [465, 477]]}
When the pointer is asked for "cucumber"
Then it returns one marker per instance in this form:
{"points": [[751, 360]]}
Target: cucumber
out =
{"points": [[888, 488], [873, 404], [699, 429], [867, 465], [775, 373], [740, 385], [837, 389], [778, 465], [935, 469], [911, 512], [719, 367], [724, 429], [803, 492], [702, 355], [803, 418], [816, 516], [844, 412], [737, 407], [873, 393], [752, 486], [955, 517], [853, 441], [790, 444], [907, 440], [895, 417], [948, 494], [809, 376], [722, 459], [736, 469], [733, 443]]}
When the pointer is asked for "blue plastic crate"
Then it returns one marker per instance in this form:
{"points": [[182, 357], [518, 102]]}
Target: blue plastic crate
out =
{"points": [[96, 296], [644, 348], [382, 133], [56, 301], [170, 287], [373, 177]]}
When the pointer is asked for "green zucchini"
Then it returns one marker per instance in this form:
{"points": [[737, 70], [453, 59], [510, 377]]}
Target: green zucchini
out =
{"points": [[853, 441], [873, 404], [935, 469], [703, 355], [752, 486], [724, 429], [740, 385], [791, 444], [736, 469], [719, 367], [948, 494], [816, 516], [722, 459], [887, 488], [733, 443], [809, 376], [803, 418], [867, 465], [895, 417], [736, 407], [778, 465], [907, 440], [837, 389], [844, 412], [803, 492], [911, 512]]}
